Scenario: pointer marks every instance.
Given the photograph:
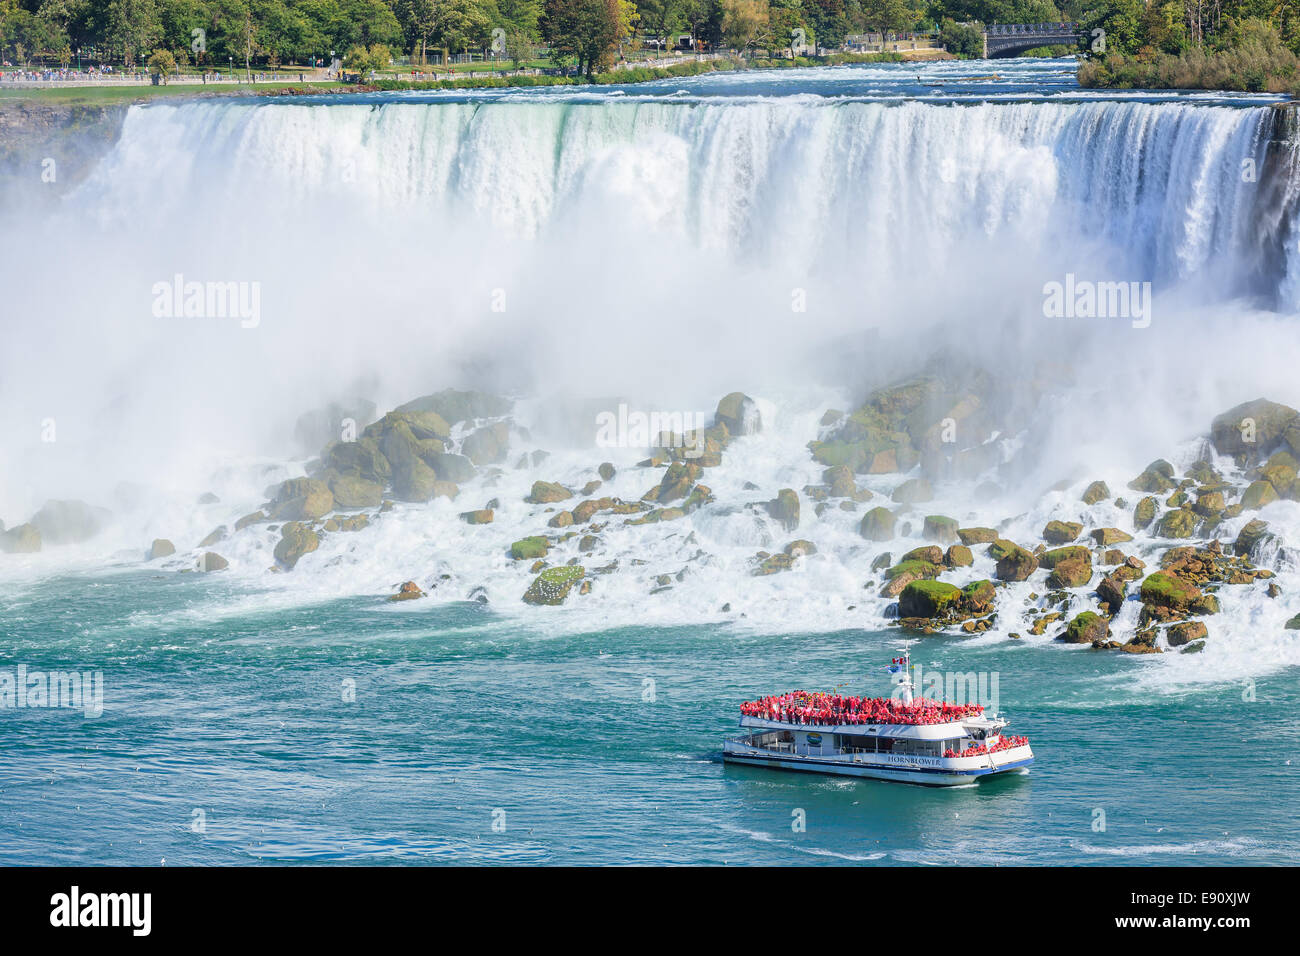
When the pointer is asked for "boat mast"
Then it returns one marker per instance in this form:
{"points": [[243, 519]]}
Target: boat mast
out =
{"points": [[907, 673]]}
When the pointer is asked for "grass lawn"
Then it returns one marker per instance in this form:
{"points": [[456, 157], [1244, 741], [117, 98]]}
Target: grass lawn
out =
{"points": [[110, 95]]}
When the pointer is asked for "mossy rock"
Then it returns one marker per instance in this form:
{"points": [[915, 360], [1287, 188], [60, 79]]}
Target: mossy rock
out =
{"points": [[1095, 492], [928, 599], [785, 508], [1253, 429], [1014, 562], [978, 596], [302, 499], [677, 481], [1259, 494], [739, 413], [939, 528], [1169, 591], [1210, 504], [1145, 512], [915, 567], [296, 540], [1075, 552], [929, 553], [958, 556], [352, 492], [1179, 523], [534, 546], [913, 491], [548, 492], [1254, 534], [878, 525], [1108, 536], [970, 536], [1073, 572], [1061, 532], [251, 519], [553, 585], [1087, 627], [1156, 479]]}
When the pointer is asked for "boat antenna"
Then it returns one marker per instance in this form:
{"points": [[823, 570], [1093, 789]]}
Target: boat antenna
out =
{"points": [[906, 682]]}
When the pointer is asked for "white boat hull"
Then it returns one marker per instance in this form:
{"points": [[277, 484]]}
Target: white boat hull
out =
{"points": [[929, 771]]}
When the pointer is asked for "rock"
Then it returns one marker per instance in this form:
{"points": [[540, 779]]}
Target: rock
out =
{"points": [[590, 488], [448, 466], [1209, 504], [1108, 536], [1293, 624], [1280, 476], [217, 534], [958, 556], [785, 508], [800, 548], [1014, 562], [1179, 523], [1158, 478], [677, 481], [1061, 532], [351, 492], [930, 554], [250, 519], [1071, 566], [904, 573], [588, 542], [1111, 592], [535, 546], [420, 424], [1251, 537], [302, 499], [458, 405], [296, 540], [408, 591], [208, 498], [913, 491], [69, 522], [927, 599], [160, 548], [548, 492], [971, 536], [739, 413], [21, 539], [939, 528], [1095, 492], [1168, 591], [553, 585], [1087, 627], [877, 525], [1259, 494], [488, 445], [1177, 635], [978, 597], [1145, 512], [358, 459], [354, 522], [606, 471], [1113, 556], [479, 516], [211, 561], [561, 519], [1252, 429], [881, 561]]}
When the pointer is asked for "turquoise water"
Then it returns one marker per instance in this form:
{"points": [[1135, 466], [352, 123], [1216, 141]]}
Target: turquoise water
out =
{"points": [[459, 713]]}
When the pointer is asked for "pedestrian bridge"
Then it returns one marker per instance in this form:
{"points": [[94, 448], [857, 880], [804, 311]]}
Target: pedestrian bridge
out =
{"points": [[1009, 39]]}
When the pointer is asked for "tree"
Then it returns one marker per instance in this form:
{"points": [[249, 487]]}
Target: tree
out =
{"points": [[133, 27], [461, 24], [162, 64], [745, 23], [587, 30]]}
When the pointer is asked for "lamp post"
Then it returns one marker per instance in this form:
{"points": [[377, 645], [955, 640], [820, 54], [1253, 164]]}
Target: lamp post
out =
{"points": [[230, 69]]}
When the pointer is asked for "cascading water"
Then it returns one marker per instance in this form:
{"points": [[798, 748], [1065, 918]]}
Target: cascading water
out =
{"points": [[803, 236]]}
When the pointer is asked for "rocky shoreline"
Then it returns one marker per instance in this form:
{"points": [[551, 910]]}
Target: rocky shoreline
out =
{"points": [[929, 430]]}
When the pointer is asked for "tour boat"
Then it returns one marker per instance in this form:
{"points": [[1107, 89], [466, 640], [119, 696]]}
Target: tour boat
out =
{"points": [[902, 739]]}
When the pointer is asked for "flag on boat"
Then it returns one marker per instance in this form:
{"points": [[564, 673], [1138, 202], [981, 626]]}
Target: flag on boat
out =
{"points": [[895, 668]]}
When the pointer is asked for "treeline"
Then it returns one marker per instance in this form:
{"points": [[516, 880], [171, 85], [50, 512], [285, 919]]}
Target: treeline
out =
{"points": [[1246, 45], [590, 33]]}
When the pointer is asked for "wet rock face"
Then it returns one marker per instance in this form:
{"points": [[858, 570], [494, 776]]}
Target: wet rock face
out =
{"points": [[553, 585], [739, 413], [1014, 562], [1253, 430], [877, 525], [22, 539], [296, 540], [1087, 627], [302, 499], [161, 548]]}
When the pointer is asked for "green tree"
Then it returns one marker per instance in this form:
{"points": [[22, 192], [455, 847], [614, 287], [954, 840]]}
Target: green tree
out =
{"points": [[586, 30]]}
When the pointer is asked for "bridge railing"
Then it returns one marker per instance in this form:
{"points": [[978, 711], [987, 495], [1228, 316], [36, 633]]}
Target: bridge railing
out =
{"points": [[1031, 29]]}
